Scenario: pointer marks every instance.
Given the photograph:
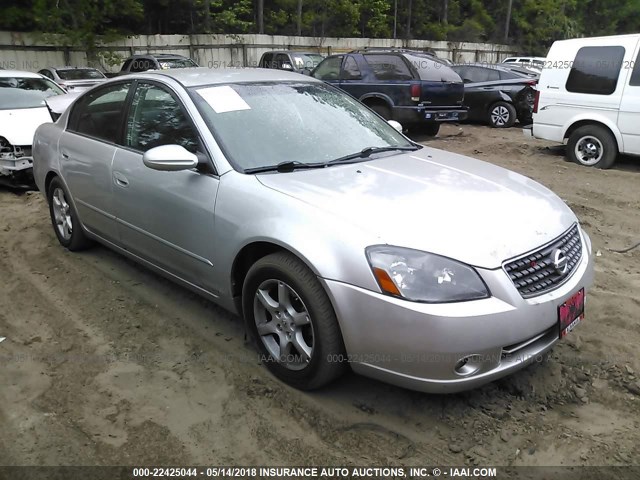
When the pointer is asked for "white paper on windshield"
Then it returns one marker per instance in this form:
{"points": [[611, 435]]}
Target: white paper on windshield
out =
{"points": [[223, 99]]}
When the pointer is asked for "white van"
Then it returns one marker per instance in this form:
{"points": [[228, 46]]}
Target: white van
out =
{"points": [[588, 97]]}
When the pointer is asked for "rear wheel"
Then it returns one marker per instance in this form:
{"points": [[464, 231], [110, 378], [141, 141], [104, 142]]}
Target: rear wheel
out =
{"points": [[502, 115], [293, 322], [431, 129], [64, 218], [381, 109], [592, 146]]}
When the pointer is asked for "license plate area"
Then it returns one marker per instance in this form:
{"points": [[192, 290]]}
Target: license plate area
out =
{"points": [[441, 116], [570, 313]]}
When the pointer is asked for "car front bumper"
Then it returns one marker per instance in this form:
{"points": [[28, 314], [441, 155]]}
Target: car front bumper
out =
{"points": [[11, 165], [420, 346]]}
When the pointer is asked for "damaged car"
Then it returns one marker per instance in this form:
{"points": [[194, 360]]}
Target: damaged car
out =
{"points": [[497, 95], [22, 110]]}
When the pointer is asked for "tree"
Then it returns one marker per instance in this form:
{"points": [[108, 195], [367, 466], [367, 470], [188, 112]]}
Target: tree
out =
{"points": [[507, 21], [87, 23]]}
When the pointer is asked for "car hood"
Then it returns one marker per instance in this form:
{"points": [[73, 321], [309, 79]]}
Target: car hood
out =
{"points": [[59, 103], [18, 126], [435, 201]]}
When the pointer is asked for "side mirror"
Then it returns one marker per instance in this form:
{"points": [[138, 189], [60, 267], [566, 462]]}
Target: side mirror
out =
{"points": [[169, 158], [287, 66], [396, 125]]}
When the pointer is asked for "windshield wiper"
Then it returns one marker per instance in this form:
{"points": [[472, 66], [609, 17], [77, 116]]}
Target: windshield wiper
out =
{"points": [[367, 152], [284, 167]]}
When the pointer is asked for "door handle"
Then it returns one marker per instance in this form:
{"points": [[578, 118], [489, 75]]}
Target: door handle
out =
{"points": [[120, 179], [64, 154]]}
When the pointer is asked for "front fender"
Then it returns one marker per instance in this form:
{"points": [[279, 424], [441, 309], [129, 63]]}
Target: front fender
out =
{"points": [[247, 212]]}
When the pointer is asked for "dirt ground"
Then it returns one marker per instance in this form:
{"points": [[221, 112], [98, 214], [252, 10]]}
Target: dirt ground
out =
{"points": [[105, 363]]}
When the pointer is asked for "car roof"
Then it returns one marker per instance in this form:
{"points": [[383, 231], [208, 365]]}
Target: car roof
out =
{"points": [[19, 73], [194, 77], [69, 67], [158, 55], [299, 52]]}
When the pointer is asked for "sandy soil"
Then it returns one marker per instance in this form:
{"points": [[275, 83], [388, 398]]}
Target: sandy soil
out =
{"points": [[106, 363]]}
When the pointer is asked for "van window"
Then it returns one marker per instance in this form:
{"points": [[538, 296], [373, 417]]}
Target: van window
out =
{"points": [[635, 73], [596, 70]]}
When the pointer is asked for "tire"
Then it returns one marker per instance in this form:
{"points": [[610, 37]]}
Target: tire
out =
{"points": [[381, 109], [501, 115], [431, 128], [64, 218], [592, 146], [284, 303]]}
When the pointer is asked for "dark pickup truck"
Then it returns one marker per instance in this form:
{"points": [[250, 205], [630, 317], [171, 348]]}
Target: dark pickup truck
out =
{"points": [[414, 88]]}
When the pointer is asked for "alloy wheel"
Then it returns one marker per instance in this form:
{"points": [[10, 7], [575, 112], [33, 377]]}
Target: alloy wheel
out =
{"points": [[284, 324], [589, 150], [62, 214], [500, 116]]}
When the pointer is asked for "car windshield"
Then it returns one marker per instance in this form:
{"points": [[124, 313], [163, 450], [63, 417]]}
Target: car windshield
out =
{"points": [[26, 92], [176, 63], [307, 60], [265, 124], [80, 74]]}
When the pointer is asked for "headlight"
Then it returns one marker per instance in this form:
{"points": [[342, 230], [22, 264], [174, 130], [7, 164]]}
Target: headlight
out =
{"points": [[424, 277]]}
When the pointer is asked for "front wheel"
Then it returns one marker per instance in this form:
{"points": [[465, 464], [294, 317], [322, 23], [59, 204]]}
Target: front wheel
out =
{"points": [[64, 218], [592, 146], [293, 322]]}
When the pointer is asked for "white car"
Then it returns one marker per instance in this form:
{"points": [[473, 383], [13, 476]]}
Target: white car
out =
{"points": [[535, 64], [74, 79], [22, 110], [588, 97]]}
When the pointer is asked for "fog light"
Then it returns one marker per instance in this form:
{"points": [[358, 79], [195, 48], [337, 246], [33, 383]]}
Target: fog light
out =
{"points": [[468, 365]]}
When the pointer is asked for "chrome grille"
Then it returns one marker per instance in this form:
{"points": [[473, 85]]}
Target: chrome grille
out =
{"points": [[535, 273]]}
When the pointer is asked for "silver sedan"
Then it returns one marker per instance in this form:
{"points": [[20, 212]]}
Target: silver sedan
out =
{"points": [[340, 242]]}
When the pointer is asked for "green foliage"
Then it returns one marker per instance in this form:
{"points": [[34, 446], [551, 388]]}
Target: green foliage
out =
{"points": [[232, 16], [533, 26]]}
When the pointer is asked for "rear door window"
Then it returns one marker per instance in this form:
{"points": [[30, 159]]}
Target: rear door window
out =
{"points": [[267, 60], [481, 74], [389, 67], [596, 70], [634, 81], [99, 113]]}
